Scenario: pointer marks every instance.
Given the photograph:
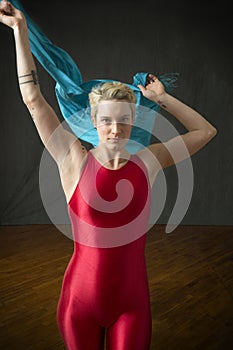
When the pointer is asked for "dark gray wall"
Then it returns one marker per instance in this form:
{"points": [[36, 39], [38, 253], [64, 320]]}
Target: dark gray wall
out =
{"points": [[116, 40]]}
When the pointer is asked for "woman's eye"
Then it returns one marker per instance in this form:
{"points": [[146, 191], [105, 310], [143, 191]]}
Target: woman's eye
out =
{"points": [[106, 121], [125, 120]]}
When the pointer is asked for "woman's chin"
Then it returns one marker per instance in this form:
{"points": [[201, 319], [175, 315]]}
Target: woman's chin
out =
{"points": [[116, 143]]}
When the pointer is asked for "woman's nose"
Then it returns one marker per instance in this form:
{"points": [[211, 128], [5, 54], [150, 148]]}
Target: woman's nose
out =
{"points": [[115, 127]]}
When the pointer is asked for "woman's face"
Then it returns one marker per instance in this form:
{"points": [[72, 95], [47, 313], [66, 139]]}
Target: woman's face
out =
{"points": [[114, 121]]}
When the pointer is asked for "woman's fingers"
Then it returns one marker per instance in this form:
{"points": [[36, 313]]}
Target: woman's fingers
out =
{"points": [[151, 78], [6, 7], [9, 15], [140, 87]]}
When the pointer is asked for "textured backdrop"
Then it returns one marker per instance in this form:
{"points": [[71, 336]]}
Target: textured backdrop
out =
{"points": [[114, 40]]}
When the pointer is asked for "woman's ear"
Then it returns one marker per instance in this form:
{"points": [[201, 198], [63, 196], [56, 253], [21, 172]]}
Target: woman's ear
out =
{"points": [[93, 119], [133, 112]]}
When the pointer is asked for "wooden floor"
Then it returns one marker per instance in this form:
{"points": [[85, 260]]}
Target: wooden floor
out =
{"points": [[191, 283]]}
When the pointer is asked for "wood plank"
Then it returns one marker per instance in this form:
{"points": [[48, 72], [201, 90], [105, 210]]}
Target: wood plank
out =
{"points": [[190, 275]]}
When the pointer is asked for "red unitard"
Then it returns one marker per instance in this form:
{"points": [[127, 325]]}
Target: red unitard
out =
{"points": [[105, 286]]}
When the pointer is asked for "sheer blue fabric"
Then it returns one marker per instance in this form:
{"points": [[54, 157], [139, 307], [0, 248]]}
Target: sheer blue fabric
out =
{"points": [[72, 92]]}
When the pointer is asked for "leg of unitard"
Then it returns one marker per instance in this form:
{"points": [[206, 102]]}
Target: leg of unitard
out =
{"points": [[130, 331], [78, 330]]}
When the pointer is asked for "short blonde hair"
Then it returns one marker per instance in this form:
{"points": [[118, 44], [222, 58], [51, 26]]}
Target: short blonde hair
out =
{"points": [[111, 91]]}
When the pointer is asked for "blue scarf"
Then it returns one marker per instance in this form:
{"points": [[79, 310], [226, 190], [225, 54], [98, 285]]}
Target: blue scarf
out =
{"points": [[72, 92]]}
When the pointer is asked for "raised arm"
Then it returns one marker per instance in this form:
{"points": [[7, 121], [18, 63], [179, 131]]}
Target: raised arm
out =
{"points": [[200, 131], [56, 139]]}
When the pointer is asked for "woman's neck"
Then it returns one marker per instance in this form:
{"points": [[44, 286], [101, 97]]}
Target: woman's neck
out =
{"points": [[110, 158]]}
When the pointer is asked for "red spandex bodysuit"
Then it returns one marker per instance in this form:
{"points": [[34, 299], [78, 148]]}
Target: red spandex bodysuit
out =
{"points": [[105, 286]]}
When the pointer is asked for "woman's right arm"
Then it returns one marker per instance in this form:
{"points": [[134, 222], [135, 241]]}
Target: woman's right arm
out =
{"points": [[56, 139]]}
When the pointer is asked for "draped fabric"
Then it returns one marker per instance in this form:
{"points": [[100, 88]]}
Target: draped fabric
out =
{"points": [[72, 92]]}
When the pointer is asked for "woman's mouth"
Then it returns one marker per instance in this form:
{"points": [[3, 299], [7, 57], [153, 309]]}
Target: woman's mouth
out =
{"points": [[114, 139]]}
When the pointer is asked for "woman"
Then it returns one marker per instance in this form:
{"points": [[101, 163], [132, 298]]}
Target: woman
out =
{"points": [[107, 189]]}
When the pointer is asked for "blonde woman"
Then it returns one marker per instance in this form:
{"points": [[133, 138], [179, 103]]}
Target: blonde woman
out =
{"points": [[108, 192]]}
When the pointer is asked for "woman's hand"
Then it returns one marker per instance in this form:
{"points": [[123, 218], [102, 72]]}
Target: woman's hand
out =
{"points": [[9, 15], [154, 89]]}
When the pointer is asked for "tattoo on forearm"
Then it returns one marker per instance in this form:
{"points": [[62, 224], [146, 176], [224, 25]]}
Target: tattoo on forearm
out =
{"points": [[34, 76], [161, 104], [32, 113]]}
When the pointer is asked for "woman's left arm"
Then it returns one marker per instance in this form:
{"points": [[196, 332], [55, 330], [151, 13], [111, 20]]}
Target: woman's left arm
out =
{"points": [[200, 131]]}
